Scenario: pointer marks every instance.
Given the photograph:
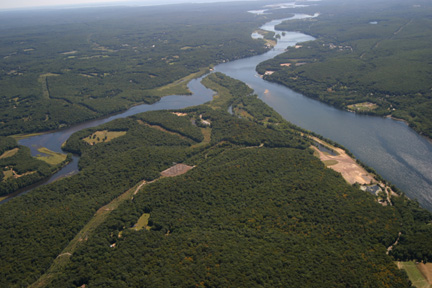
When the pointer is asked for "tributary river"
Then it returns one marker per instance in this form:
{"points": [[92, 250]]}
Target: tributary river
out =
{"points": [[394, 150]]}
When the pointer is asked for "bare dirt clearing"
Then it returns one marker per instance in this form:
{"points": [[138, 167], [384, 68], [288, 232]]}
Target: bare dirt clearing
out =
{"points": [[176, 170], [344, 164]]}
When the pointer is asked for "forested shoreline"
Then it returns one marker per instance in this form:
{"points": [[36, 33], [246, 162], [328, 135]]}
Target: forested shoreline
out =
{"points": [[256, 207], [93, 63], [369, 59], [256, 210], [86, 67]]}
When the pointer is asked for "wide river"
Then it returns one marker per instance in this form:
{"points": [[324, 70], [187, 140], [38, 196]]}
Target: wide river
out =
{"points": [[394, 150]]}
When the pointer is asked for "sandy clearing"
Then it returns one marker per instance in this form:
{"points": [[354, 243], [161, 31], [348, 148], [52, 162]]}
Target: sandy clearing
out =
{"points": [[350, 170], [179, 114], [176, 170]]}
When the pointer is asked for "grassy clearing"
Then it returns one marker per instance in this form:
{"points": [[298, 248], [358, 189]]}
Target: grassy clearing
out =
{"points": [[9, 153], [267, 37], [8, 174], [223, 97], [207, 137], [207, 134], [178, 87], [363, 107], [414, 274], [244, 114], [142, 222], [52, 158], [330, 162], [42, 80], [24, 136], [103, 136]]}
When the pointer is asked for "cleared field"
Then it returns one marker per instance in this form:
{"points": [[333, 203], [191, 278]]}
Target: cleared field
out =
{"points": [[9, 153], [207, 137], [160, 128], [103, 136], [12, 174], [330, 162], [414, 274], [52, 158], [8, 174], [176, 170], [344, 164], [363, 107], [142, 222], [426, 270], [42, 80]]}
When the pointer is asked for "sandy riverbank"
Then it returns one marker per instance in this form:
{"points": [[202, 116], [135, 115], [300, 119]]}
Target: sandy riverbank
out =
{"points": [[351, 171]]}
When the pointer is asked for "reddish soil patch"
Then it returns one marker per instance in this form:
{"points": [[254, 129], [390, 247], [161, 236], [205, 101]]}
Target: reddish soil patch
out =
{"points": [[176, 170]]}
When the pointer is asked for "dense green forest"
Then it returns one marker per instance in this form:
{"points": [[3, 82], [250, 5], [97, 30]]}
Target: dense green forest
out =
{"points": [[375, 56], [62, 68], [256, 208], [262, 212]]}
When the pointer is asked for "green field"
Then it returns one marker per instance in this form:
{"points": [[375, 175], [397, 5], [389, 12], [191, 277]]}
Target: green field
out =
{"points": [[362, 107], [8, 174], [142, 222], [330, 162], [103, 136], [416, 277], [51, 157]]}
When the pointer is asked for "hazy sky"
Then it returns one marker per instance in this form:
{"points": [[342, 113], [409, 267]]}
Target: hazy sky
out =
{"points": [[13, 4]]}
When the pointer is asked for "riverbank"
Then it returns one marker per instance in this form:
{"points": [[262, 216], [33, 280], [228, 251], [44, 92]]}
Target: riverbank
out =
{"points": [[352, 171], [179, 87]]}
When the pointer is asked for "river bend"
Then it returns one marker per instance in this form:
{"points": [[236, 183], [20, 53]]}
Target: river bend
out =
{"points": [[394, 150]]}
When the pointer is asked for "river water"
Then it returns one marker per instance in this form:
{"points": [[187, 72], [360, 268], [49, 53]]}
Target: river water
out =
{"points": [[394, 150]]}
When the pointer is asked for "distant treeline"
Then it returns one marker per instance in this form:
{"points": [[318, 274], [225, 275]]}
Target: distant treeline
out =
{"points": [[99, 62]]}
